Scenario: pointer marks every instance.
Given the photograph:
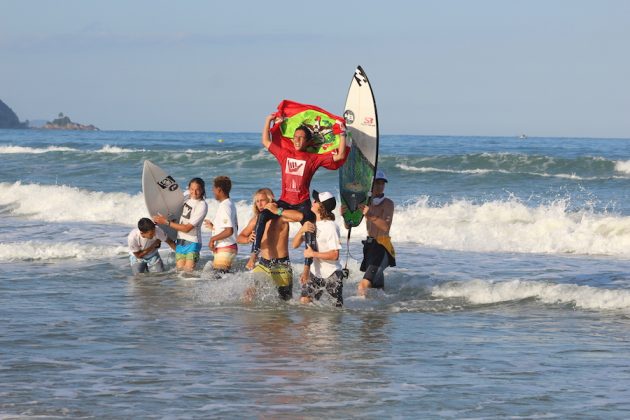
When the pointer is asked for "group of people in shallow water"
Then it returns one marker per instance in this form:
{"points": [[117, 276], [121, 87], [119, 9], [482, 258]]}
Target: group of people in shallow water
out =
{"points": [[268, 229]]}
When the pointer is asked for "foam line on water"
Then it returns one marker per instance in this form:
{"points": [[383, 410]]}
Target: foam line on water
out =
{"points": [[512, 226], [494, 226], [43, 251], [34, 150], [480, 292]]}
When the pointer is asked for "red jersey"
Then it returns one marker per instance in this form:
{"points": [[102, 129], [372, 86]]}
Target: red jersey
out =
{"points": [[298, 169]]}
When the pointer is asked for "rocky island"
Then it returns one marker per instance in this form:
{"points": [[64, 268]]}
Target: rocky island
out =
{"points": [[63, 122], [9, 119]]}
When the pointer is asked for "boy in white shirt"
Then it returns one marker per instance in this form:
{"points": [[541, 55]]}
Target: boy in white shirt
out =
{"points": [[224, 227], [326, 270], [144, 242]]}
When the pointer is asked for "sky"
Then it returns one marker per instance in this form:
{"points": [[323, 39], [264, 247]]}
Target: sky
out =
{"points": [[557, 68]]}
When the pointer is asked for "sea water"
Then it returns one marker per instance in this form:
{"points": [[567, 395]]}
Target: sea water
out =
{"points": [[510, 298]]}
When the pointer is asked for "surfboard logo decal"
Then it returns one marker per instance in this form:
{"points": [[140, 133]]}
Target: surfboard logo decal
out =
{"points": [[168, 183], [359, 77], [349, 117], [369, 121]]}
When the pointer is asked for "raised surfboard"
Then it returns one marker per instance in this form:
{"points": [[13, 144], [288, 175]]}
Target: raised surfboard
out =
{"points": [[162, 194], [357, 174]]}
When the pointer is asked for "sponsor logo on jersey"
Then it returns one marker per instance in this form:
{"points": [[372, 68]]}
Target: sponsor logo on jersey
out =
{"points": [[295, 167]]}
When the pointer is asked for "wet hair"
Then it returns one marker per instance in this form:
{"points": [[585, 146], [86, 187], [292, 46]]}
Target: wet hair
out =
{"points": [[307, 132], [265, 191], [201, 183], [146, 225], [225, 183], [324, 214]]}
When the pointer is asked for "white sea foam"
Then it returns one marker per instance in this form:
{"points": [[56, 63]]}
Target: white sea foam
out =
{"points": [[37, 250], [511, 226], [482, 292], [425, 169], [495, 226], [54, 203], [115, 150], [428, 169], [623, 166], [6, 150]]}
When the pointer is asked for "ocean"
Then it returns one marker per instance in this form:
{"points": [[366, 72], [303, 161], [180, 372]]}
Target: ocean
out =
{"points": [[511, 297]]}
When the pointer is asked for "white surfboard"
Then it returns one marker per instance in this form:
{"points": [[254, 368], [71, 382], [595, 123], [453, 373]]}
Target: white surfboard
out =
{"points": [[357, 174], [162, 194]]}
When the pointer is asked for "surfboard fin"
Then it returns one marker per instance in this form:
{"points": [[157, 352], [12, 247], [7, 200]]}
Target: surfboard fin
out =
{"points": [[353, 199]]}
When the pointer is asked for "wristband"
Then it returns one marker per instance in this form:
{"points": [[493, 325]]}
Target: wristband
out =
{"points": [[280, 210], [168, 223]]}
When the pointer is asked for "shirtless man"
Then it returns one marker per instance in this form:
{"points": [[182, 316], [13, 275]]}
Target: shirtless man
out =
{"points": [[274, 248], [378, 252]]}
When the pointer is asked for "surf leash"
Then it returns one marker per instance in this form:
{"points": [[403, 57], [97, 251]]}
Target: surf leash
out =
{"points": [[345, 271]]}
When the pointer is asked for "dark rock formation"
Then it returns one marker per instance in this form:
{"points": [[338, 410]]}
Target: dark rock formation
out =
{"points": [[64, 123], [8, 119]]}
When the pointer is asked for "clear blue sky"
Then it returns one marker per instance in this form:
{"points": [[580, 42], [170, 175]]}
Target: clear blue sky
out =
{"points": [[461, 67]]}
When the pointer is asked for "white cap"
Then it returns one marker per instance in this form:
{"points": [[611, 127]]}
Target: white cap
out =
{"points": [[327, 199], [380, 175]]}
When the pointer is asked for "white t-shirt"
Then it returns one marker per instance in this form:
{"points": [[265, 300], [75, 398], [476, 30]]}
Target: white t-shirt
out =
{"points": [[225, 218], [138, 243], [194, 212], [327, 237]]}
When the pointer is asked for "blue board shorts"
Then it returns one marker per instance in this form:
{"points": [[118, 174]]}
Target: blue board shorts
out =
{"points": [[186, 250]]}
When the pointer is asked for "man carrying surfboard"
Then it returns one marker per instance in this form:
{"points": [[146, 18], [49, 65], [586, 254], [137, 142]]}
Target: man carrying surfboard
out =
{"points": [[189, 226], [298, 166], [378, 252], [274, 260]]}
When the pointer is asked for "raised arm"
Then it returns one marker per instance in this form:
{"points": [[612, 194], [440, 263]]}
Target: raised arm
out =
{"points": [[266, 137], [341, 150]]}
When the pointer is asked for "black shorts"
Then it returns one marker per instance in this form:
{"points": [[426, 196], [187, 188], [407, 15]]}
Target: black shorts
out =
{"points": [[314, 287], [375, 261]]}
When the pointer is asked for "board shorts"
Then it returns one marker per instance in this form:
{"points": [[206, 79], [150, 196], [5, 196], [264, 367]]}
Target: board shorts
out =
{"points": [[375, 261], [279, 270], [314, 287], [223, 258], [187, 251], [151, 264]]}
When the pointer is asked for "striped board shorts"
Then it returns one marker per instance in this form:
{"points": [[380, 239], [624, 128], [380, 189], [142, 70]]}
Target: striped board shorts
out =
{"points": [[224, 257]]}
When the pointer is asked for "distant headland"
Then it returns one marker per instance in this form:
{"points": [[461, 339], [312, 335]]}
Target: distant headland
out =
{"points": [[9, 119]]}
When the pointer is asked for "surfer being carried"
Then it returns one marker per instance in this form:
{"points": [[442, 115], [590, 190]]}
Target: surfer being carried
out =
{"points": [[298, 167]]}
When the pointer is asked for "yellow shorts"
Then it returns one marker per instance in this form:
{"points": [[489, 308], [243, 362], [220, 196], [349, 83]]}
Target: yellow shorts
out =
{"points": [[279, 271]]}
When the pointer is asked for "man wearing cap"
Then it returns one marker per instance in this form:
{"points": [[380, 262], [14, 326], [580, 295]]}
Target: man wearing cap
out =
{"points": [[378, 251], [325, 272]]}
